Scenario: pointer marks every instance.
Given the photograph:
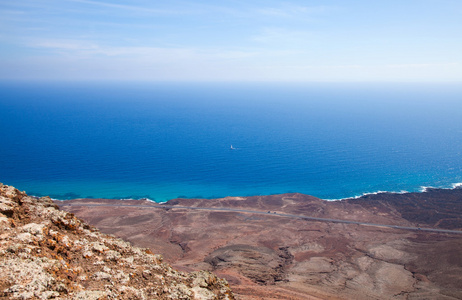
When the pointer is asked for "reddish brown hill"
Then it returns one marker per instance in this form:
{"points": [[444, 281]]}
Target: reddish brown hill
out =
{"points": [[266, 256]]}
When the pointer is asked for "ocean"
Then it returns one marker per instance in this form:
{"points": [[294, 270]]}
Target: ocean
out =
{"points": [[167, 140]]}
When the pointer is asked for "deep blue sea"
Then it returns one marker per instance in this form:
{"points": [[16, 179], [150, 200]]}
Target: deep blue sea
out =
{"points": [[169, 140]]}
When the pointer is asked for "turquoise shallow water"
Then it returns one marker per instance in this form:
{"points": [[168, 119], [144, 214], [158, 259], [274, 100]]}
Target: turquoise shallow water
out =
{"points": [[162, 141]]}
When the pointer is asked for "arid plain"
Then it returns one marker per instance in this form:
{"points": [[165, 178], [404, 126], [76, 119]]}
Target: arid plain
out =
{"points": [[265, 255]]}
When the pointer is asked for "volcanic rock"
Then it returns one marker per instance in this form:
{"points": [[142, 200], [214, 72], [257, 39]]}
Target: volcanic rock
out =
{"points": [[264, 255], [47, 253]]}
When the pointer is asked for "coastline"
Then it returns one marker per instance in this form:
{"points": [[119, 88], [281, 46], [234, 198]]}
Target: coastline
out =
{"points": [[422, 189], [318, 147], [293, 242], [431, 207]]}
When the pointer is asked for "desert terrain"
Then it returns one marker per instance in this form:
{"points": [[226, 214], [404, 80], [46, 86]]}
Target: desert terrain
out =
{"points": [[266, 252]]}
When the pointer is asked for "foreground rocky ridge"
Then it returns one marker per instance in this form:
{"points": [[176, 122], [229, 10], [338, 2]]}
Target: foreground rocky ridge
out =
{"points": [[47, 253], [265, 256]]}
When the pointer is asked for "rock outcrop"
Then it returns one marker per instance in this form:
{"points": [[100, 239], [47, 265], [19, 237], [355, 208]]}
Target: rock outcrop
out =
{"points": [[47, 253]]}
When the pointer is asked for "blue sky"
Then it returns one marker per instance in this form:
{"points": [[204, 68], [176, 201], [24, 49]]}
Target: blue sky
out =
{"points": [[232, 40]]}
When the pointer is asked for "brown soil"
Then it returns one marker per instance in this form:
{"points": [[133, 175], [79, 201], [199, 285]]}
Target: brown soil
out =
{"points": [[264, 256]]}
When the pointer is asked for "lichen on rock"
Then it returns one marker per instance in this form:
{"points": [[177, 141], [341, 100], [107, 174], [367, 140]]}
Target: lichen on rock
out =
{"points": [[46, 253]]}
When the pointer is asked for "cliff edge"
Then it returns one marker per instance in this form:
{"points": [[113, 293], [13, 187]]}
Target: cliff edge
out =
{"points": [[47, 253]]}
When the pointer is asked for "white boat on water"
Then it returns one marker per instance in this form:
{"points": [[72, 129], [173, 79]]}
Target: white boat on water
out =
{"points": [[232, 148]]}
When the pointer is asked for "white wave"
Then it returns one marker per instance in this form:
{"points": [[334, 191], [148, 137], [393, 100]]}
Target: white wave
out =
{"points": [[53, 199], [457, 185], [370, 193], [335, 199], [359, 196], [132, 199], [424, 189]]}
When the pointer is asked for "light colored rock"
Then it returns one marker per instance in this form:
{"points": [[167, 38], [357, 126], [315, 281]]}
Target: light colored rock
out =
{"points": [[113, 255], [98, 247], [49, 295], [383, 279], [34, 228], [394, 279], [122, 277], [388, 253], [89, 295], [27, 277], [364, 262], [5, 205], [4, 221], [46, 253], [101, 276], [202, 294], [129, 259], [181, 291], [25, 237], [314, 265]]}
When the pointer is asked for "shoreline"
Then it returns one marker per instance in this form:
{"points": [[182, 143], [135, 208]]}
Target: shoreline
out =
{"points": [[397, 235], [423, 189]]}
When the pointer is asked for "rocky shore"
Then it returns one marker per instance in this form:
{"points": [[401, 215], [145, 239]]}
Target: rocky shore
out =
{"points": [[266, 256], [46, 253]]}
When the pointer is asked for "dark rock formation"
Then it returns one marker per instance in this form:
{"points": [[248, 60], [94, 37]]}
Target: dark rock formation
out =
{"points": [[439, 208]]}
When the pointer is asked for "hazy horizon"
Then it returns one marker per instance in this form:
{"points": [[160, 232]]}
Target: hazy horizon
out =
{"points": [[257, 41]]}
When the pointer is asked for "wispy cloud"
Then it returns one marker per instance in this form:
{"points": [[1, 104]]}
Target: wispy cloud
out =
{"points": [[258, 39], [419, 66], [11, 12], [133, 8], [91, 49], [62, 45], [290, 10], [282, 36]]}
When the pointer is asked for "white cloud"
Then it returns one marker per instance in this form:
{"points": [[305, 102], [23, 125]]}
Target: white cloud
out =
{"points": [[420, 66], [126, 7], [86, 57], [61, 45], [90, 49], [283, 37], [290, 10]]}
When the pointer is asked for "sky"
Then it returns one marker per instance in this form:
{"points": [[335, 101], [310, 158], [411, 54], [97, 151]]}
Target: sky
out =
{"points": [[232, 40]]}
